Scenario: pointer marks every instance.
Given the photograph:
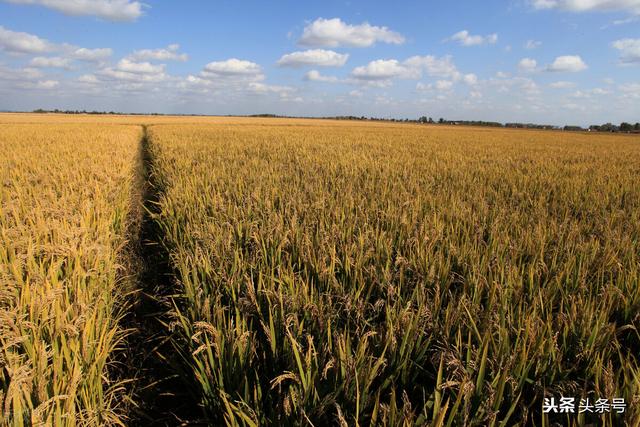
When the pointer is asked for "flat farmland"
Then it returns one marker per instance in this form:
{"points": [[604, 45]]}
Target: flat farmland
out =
{"points": [[315, 272]]}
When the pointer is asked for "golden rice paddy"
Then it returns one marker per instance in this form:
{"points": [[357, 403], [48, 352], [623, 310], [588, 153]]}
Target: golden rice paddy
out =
{"points": [[323, 272]]}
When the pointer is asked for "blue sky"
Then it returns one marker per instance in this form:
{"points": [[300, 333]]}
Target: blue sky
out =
{"points": [[545, 61]]}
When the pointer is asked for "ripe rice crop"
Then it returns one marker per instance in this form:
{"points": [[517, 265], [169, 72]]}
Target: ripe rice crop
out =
{"points": [[322, 272], [401, 275], [65, 194]]}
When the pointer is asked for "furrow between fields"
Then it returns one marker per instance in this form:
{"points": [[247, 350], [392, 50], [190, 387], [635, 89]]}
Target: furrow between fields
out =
{"points": [[158, 391]]}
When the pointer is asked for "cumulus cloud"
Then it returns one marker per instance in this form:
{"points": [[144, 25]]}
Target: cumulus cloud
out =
{"points": [[263, 88], [112, 10], [88, 78], [170, 53], [334, 32], [470, 79], [313, 57], [26, 78], [19, 42], [567, 63], [632, 6], [466, 39], [444, 85], [435, 67], [629, 50], [85, 54], [25, 43], [233, 67], [137, 76], [232, 75], [384, 69], [13, 74], [315, 76], [50, 62], [527, 65], [522, 85], [129, 66]]}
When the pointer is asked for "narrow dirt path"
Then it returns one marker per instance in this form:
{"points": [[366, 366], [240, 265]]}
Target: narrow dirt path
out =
{"points": [[159, 394]]}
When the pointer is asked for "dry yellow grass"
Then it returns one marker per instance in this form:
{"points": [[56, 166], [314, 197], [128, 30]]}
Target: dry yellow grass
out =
{"points": [[65, 192]]}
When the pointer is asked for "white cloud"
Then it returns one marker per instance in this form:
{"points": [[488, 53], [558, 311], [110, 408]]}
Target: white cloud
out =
{"points": [[138, 76], [233, 76], [13, 74], [470, 79], [263, 88], [50, 62], [334, 32], [384, 69], [89, 79], [113, 10], [568, 63], [466, 39], [129, 66], [632, 6], [630, 90], [233, 67], [85, 54], [523, 85], [532, 44], [315, 76], [580, 95], [629, 50], [444, 85], [435, 67], [47, 84], [18, 42], [170, 53], [527, 65], [588, 94], [314, 57], [562, 85]]}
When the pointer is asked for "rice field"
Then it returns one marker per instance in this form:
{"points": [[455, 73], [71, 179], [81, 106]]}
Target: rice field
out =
{"points": [[323, 272], [65, 194]]}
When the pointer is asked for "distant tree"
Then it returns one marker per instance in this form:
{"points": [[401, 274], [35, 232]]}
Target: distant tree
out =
{"points": [[626, 127], [423, 119], [440, 120], [636, 126]]}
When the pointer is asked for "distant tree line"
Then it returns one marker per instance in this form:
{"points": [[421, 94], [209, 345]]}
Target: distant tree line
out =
{"points": [[607, 127]]}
